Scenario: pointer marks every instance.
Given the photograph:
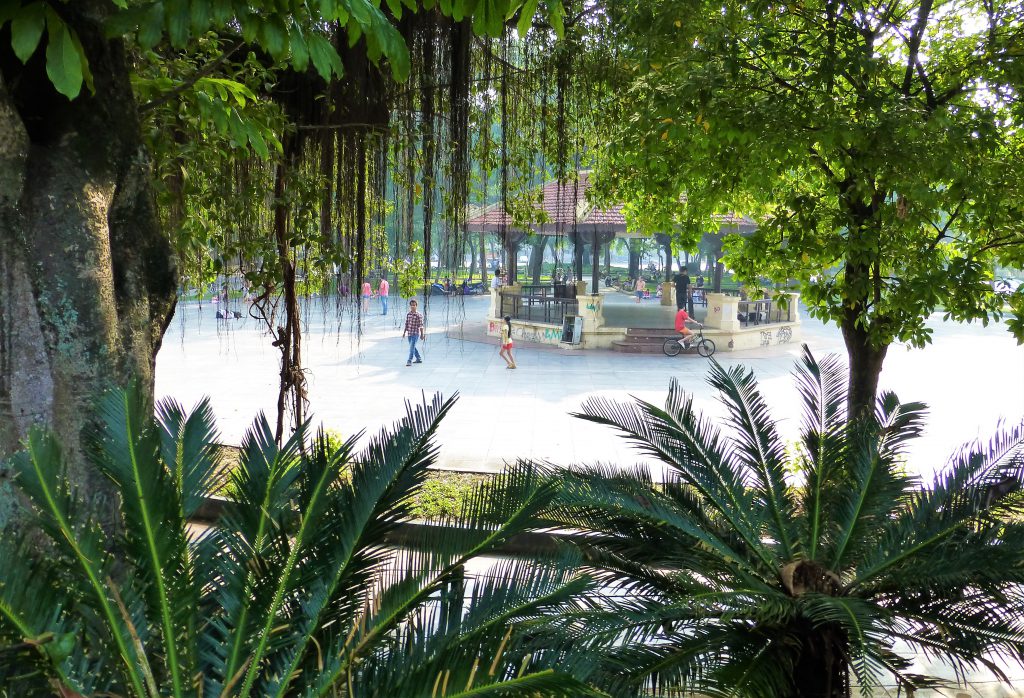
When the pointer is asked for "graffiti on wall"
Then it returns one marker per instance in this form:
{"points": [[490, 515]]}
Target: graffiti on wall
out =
{"points": [[528, 333], [783, 335]]}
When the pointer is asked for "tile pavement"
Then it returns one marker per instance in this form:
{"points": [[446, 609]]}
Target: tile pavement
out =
{"points": [[971, 376]]}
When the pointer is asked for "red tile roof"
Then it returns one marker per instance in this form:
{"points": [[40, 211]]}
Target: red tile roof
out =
{"points": [[566, 209]]}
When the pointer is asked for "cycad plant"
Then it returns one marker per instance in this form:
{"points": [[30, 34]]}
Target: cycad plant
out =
{"points": [[754, 569], [298, 590]]}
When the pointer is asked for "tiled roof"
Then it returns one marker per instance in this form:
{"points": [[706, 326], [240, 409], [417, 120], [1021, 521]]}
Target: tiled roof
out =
{"points": [[566, 209]]}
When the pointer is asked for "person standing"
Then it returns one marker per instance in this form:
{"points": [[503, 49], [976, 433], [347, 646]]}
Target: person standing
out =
{"points": [[506, 343], [414, 330], [641, 286], [382, 291], [682, 283], [367, 292]]}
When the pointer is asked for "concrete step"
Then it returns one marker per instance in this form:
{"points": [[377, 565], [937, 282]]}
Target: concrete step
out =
{"points": [[651, 332], [637, 347]]}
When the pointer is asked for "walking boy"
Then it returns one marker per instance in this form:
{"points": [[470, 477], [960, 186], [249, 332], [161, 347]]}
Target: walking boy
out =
{"points": [[414, 330]]}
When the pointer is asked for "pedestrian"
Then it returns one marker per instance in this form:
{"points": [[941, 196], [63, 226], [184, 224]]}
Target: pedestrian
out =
{"points": [[382, 291], [496, 281], [682, 282], [506, 343], [367, 292], [414, 330], [641, 286]]}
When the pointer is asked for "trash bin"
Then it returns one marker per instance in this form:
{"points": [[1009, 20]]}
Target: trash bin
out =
{"points": [[559, 289], [572, 329]]}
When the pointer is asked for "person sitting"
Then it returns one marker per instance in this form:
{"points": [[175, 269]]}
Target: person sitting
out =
{"points": [[681, 319]]}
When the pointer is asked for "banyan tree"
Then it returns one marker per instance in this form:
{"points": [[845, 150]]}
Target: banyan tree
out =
{"points": [[299, 146]]}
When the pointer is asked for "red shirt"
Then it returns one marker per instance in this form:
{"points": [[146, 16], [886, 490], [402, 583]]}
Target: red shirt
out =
{"points": [[366, 288], [681, 318]]}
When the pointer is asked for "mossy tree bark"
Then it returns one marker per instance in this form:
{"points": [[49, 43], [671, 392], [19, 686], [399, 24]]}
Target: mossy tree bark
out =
{"points": [[87, 280]]}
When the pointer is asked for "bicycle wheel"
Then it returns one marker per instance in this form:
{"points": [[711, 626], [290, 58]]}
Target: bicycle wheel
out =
{"points": [[671, 347], [706, 347]]}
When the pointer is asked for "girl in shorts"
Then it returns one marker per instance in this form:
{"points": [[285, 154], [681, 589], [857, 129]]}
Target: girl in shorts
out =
{"points": [[506, 343]]}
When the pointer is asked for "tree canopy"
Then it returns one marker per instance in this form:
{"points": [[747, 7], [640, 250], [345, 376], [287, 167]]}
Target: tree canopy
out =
{"points": [[877, 143]]}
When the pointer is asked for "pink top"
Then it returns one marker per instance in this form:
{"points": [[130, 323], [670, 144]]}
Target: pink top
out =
{"points": [[366, 288], [384, 288]]}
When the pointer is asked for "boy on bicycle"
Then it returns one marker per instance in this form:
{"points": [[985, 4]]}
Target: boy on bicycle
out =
{"points": [[681, 318]]}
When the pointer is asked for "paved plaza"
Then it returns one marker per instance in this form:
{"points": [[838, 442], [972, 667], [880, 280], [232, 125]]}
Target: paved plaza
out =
{"points": [[971, 377]]}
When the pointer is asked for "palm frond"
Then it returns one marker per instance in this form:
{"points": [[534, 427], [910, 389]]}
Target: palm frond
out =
{"points": [[188, 443], [127, 450], [692, 447], [958, 499], [253, 540], [759, 449], [822, 386], [40, 473]]}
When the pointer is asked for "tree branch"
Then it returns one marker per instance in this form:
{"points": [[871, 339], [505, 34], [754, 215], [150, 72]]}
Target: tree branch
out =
{"points": [[196, 77], [914, 45]]}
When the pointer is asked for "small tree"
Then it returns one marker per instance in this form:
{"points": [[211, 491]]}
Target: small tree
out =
{"points": [[754, 570]]}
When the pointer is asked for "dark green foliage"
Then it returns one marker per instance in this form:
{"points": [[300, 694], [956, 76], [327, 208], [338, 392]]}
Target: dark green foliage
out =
{"points": [[736, 577], [294, 592]]}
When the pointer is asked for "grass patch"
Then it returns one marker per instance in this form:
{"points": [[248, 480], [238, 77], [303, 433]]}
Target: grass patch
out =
{"points": [[443, 495]]}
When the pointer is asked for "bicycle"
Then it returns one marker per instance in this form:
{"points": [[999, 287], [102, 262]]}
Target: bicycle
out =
{"points": [[704, 346]]}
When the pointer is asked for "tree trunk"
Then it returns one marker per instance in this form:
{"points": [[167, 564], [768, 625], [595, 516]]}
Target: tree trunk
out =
{"points": [[634, 260], [608, 259], [537, 258], [577, 256], [472, 260], [865, 358], [87, 279], [821, 669], [483, 258]]}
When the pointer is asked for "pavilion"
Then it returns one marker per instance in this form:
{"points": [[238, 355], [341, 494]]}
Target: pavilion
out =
{"points": [[564, 210]]}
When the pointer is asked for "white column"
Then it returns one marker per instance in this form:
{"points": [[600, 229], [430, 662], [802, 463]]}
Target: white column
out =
{"points": [[722, 312]]}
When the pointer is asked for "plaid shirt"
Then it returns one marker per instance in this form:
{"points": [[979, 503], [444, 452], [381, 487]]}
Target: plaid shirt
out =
{"points": [[413, 324]]}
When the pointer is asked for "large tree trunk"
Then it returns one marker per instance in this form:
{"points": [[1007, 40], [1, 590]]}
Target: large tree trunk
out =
{"points": [[537, 258], [865, 359], [634, 259], [87, 280]]}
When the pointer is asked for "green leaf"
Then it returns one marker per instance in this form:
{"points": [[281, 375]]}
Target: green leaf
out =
{"points": [[257, 142], [151, 26], [273, 38], [300, 54], [200, 15], [222, 11], [526, 17], [178, 21], [27, 29], [86, 72], [63, 63], [395, 6], [325, 58], [556, 13]]}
